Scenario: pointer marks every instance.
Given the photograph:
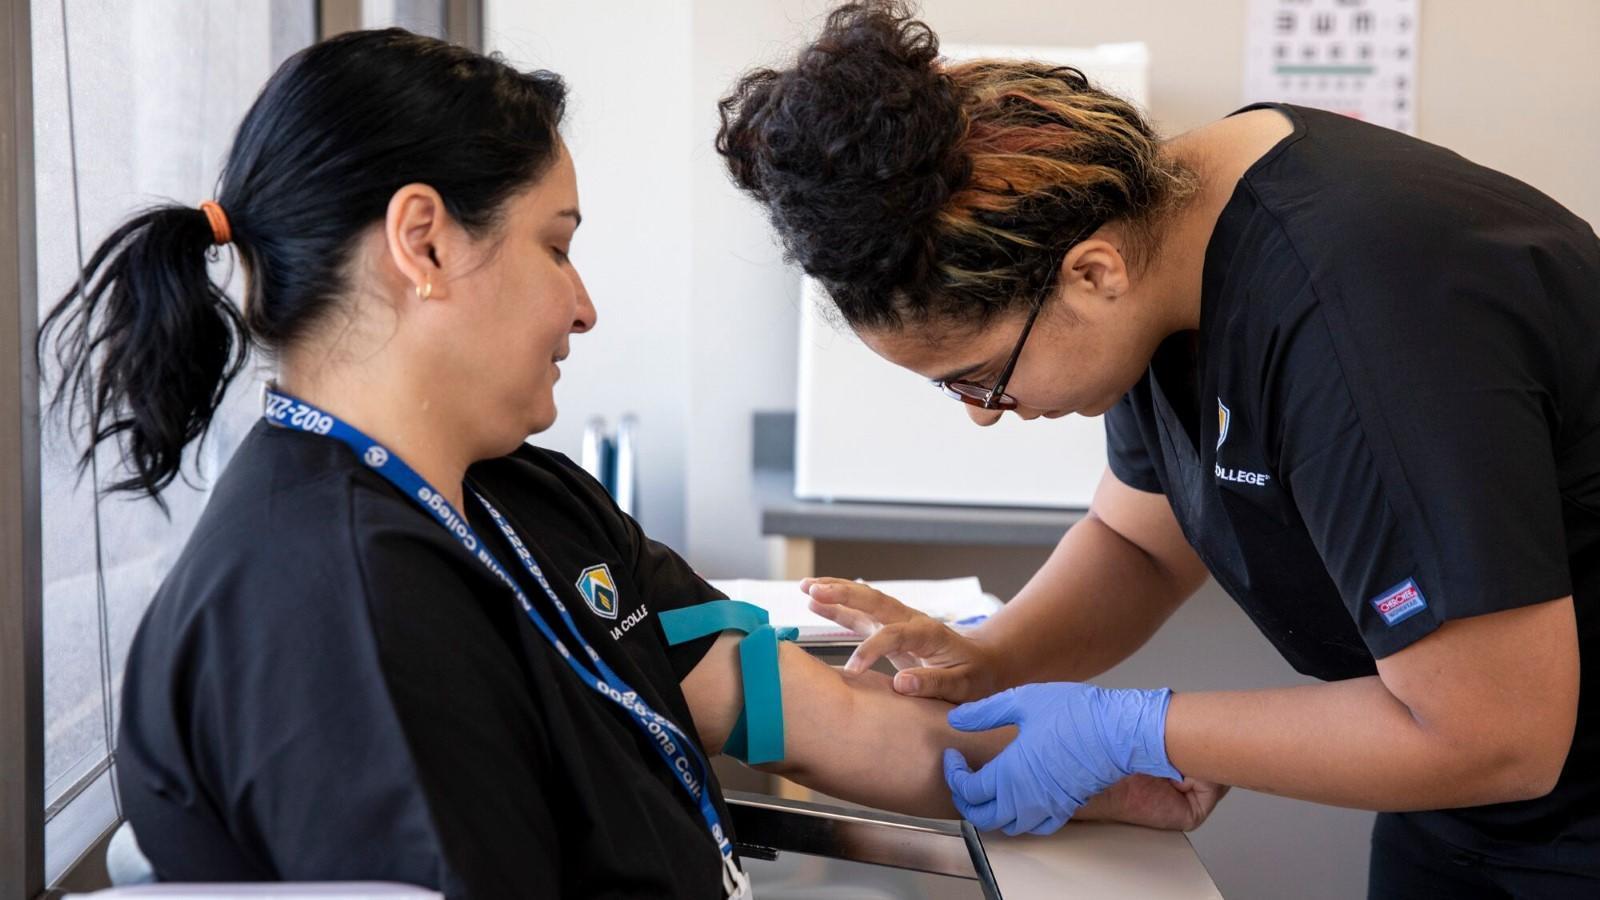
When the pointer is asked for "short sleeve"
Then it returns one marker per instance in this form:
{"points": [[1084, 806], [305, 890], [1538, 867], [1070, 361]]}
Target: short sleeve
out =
{"points": [[1127, 452], [665, 580], [1430, 492], [669, 582]]}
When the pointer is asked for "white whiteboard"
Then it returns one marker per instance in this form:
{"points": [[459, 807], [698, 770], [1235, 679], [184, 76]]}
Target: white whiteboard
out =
{"points": [[869, 430]]}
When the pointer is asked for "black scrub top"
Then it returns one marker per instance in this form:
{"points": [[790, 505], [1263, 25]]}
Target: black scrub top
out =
{"points": [[1390, 418], [328, 687]]}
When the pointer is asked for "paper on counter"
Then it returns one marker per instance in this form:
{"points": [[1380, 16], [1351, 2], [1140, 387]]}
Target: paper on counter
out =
{"points": [[949, 600]]}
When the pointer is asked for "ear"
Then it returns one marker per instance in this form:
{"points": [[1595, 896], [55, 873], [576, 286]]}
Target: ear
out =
{"points": [[414, 228], [1093, 273]]}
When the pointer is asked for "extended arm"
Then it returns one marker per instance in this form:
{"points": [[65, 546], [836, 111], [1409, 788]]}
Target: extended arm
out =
{"points": [[853, 737], [848, 736]]}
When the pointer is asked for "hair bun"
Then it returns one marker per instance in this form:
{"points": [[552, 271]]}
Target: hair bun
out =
{"points": [[853, 149]]}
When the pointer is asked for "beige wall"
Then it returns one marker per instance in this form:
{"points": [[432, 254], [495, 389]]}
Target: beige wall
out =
{"points": [[1513, 86], [1517, 91]]}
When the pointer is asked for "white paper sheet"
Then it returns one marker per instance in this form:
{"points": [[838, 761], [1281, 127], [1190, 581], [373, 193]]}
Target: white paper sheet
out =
{"points": [[951, 600]]}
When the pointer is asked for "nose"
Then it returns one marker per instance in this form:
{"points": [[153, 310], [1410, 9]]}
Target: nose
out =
{"points": [[585, 316], [981, 416]]}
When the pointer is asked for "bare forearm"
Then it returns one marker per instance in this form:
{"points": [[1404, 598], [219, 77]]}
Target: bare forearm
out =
{"points": [[853, 737], [1093, 603], [848, 736], [1349, 743]]}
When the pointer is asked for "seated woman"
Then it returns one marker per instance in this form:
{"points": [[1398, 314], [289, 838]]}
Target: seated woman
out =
{"points": [[401, 644]]}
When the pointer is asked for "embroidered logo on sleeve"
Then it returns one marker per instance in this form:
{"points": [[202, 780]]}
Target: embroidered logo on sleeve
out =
{"points": [[599, 590], [1228, 473], [1400, 602]]}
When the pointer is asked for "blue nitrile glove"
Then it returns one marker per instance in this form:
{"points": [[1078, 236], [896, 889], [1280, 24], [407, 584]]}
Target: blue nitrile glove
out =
{"points": [[1074, 741]]}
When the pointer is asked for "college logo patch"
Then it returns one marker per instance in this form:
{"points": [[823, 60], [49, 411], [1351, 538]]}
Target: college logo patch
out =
{"points": [[599, 590], [1400, 602], [1223, 418]]}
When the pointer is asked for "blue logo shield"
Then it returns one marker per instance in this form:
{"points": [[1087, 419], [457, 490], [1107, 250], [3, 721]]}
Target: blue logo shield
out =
{"points": [[599, 590]]}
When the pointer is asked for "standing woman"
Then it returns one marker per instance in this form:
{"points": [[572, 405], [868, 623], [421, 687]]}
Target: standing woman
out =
{"points": [[1351, 375]]}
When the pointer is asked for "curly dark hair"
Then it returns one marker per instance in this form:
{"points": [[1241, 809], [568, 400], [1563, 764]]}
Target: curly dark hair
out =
{"points": [[917, 189]]}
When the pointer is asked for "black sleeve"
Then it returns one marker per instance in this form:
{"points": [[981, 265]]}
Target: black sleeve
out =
{"points": [[1126, 450], [670, 583], [1426, 477], [666, 579]]}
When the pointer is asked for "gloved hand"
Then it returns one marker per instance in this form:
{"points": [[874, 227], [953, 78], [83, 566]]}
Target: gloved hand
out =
{"points": [[1074, 741]]}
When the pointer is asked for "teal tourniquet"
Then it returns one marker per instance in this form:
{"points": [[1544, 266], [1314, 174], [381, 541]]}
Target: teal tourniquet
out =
{"points": [[758, 735]]}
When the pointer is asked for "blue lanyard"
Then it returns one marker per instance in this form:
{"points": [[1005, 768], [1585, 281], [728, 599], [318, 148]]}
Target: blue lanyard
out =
{"points": [[671, 744]]}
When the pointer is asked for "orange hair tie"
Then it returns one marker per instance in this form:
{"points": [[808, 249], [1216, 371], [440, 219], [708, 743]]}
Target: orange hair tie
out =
{"points": [[221, 233]]}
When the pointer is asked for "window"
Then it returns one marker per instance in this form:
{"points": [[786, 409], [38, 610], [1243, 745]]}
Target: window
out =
{"points": [[158, 88]]}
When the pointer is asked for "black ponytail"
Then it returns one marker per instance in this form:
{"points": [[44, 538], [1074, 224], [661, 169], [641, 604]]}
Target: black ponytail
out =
{"points": [[147, 344]]}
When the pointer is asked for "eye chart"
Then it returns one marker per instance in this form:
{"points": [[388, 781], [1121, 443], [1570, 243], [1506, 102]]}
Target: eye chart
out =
{"points": [[1356, 57]]}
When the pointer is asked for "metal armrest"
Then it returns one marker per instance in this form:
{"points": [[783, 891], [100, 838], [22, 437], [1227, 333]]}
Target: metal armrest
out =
{"points": [[768, 825]]}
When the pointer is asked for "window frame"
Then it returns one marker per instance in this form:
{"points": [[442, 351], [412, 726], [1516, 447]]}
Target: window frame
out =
{"points": [[463, 20], [21, 586]]}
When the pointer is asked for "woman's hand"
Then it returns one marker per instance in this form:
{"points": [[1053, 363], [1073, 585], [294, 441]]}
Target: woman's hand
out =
{"points": [[934, 660], [1154, 803]]}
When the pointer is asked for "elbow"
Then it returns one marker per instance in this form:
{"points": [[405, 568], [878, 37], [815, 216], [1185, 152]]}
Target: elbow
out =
{"points": [[784, 768], [1534, 776], [1522, 783], [1526, 770], [1540, 754]]}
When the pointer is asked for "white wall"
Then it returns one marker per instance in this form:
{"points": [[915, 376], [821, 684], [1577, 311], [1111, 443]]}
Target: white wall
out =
{"points": [[745, 319], [697, 312], [631, 135]]}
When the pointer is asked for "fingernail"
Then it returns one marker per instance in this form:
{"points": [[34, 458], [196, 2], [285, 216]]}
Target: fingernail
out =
{"points": [[907, 684], [853, 667]]}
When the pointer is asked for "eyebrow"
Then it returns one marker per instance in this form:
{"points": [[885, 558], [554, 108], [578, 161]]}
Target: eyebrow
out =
{"points": [[959, 374], [573, 214]]}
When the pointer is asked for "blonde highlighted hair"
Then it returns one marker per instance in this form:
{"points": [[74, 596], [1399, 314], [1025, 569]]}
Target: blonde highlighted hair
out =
{"points": [[914, 188]]}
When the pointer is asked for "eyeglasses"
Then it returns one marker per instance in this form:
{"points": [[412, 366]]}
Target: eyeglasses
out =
{"points": [[996, 397]]}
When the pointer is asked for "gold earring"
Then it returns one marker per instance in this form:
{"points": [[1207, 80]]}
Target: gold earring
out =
{"points": [[425, 290]]}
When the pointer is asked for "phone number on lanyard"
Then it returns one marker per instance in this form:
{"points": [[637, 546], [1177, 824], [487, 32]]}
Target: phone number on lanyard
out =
{"points": [[283, 409]]}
